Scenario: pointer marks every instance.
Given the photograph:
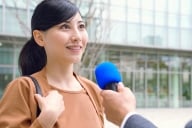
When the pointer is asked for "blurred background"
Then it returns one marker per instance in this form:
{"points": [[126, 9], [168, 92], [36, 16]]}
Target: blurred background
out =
{"points": [[149, 40]]}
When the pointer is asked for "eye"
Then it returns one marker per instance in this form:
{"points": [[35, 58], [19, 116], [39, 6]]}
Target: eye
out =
{"points": [[82, 26], [65, 26]]}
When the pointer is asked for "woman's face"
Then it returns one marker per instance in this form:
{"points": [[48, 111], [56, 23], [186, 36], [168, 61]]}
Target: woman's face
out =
{"points": [[67, 41]]}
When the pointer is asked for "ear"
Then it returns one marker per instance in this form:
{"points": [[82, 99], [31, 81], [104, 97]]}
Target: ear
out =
{"points": [[38, 36]]}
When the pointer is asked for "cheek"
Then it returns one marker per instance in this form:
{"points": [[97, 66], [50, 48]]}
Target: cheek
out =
{"points": [[85, 38], [56, 40], [53, 44]]}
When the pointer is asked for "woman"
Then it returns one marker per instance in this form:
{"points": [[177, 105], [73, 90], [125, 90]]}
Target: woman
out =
{"points": [[58, 41]]}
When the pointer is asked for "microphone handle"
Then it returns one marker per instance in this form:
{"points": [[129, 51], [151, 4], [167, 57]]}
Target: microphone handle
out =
{"points": [[111, 86]]}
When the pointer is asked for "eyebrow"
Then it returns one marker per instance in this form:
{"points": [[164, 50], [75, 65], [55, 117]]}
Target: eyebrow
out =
{"points": [[68, 21]]}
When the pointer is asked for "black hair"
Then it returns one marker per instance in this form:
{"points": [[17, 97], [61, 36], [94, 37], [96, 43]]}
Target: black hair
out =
{"points": [[47, 14]]}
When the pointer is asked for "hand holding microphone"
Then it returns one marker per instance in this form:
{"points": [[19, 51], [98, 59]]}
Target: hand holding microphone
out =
{"points": [[117, 99], [107, 76], [119, 105]]}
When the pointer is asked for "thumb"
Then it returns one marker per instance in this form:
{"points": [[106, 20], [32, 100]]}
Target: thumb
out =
{"points": [[120, 87], [39, 99]]}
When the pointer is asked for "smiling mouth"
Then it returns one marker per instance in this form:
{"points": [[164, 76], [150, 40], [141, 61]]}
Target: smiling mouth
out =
{"points": [[74, 47]]}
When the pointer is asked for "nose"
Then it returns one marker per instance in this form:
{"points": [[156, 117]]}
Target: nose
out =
{"points": [[76, 36]]}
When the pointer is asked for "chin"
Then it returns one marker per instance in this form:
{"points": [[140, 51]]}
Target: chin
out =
{"points": [[77, 60]]}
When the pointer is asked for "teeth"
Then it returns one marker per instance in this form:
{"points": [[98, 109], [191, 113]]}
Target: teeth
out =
{"points": [[74, 47]]}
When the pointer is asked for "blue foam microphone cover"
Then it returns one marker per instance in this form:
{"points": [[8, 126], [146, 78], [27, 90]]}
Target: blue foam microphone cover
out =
{"points": [[107, 76]]}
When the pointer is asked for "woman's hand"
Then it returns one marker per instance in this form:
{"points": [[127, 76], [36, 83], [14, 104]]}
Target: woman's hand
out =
{"points": [[51, 108]]}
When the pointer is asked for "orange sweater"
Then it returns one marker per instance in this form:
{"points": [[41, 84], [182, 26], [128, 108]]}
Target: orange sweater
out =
{"points": [[18, 107]]}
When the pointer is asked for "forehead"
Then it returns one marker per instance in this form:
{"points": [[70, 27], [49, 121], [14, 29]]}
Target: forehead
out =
{"points": [[76, 18]]}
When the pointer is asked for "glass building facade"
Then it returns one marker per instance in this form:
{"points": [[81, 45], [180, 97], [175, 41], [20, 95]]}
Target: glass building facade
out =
{"points": [[149, 40]]}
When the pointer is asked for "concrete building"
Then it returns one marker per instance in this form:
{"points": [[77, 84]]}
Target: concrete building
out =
{"points": [[149, 40]]}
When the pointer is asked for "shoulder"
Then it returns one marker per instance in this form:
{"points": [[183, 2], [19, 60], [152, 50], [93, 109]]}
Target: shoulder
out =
{"points": [[20, 84], [22, 80], [19, 92]]}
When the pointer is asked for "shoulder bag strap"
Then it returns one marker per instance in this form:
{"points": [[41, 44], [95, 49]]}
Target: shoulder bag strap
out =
{"points": [[38, 91]]}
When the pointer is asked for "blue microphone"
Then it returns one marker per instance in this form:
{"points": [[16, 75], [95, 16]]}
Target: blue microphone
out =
{"points": [[107, 76]]}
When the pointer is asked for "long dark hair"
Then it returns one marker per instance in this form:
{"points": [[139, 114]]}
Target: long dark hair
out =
{"points": [[47, 14]]}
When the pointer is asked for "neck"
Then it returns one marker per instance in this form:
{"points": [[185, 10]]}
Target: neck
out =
{"points": [[59, 72], [62, 77]]}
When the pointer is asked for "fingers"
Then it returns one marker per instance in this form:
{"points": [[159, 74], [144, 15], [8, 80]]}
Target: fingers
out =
{"points": [[120, 87], [52, 98], [106, 92], [39, 99], [53, 91], [55, 94]]}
